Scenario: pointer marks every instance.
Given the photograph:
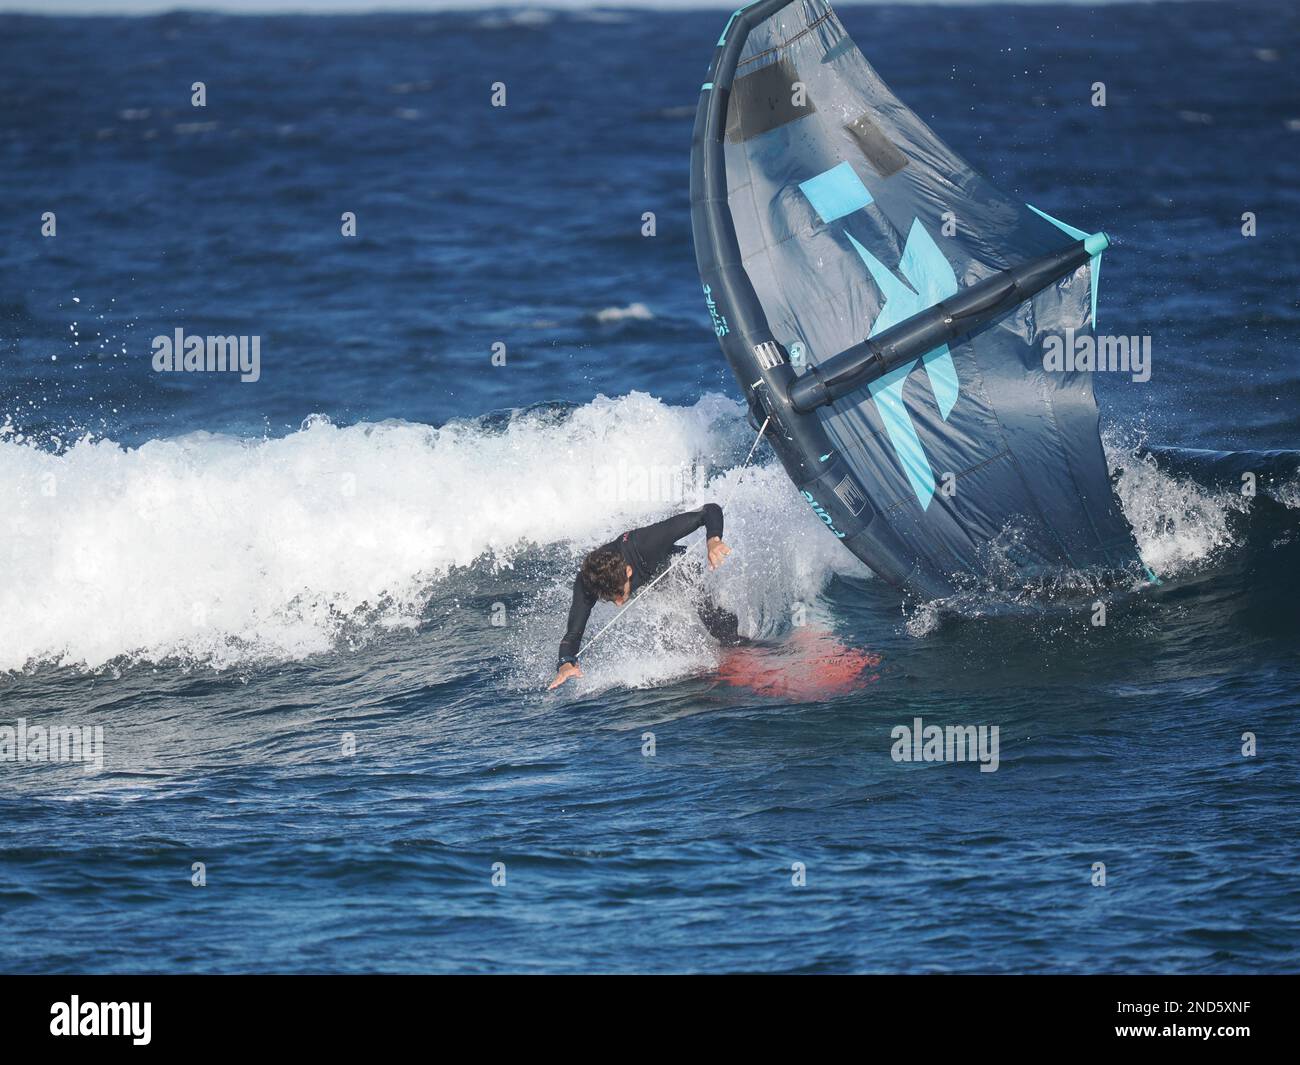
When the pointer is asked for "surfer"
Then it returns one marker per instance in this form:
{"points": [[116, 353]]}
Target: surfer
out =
{"points": [[613, 572]]}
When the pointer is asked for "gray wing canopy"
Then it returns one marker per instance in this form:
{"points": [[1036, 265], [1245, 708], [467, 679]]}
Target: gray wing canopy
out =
{"points": [[847, 216]]}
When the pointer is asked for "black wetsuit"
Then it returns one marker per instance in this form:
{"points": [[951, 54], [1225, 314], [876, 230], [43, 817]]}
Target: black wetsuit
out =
{"points": [[648, 551]]}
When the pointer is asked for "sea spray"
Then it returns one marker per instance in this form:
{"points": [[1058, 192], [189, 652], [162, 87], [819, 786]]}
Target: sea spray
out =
{"points": [[222, 551]]}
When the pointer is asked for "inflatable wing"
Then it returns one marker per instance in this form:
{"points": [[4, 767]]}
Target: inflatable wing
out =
{"points": [[891, 310]]}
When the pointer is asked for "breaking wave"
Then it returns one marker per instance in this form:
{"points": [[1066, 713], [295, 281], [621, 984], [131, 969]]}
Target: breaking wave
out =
{"points": [[213, 549]]}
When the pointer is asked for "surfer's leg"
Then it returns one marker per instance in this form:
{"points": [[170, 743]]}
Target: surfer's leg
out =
{"points": [[723, 625]]}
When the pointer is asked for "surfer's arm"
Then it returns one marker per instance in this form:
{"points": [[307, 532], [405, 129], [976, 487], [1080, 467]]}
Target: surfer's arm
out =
{"points": [[655, 541], [579, 612]]}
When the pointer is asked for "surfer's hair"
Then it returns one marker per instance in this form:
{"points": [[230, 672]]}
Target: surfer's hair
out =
{"points": [[604, 574]]}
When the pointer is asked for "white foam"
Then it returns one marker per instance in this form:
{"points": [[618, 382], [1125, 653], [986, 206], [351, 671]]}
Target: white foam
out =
{"points": [[219, 550], [637, 312], [224, 551], [1288, 494], [1178, 524]]}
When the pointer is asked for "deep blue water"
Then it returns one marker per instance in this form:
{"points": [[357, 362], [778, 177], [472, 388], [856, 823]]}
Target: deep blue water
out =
{"points": [[231, 589]]}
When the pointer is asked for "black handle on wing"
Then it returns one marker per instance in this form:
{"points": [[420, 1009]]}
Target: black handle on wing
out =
{"points": [[935, 326]]}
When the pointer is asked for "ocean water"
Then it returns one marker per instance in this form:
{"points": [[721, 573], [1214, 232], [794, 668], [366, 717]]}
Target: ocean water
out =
{"points": [[314, 615]]}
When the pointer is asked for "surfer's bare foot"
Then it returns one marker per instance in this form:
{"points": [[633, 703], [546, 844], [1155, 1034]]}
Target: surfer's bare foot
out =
{"points": [[569, 669]]}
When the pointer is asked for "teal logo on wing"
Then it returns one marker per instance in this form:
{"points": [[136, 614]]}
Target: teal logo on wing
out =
{"points": [[720, 326], [822, 513], [929, 278]]}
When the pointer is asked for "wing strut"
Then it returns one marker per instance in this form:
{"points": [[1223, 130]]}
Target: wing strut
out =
{"points": [[968, 311]]}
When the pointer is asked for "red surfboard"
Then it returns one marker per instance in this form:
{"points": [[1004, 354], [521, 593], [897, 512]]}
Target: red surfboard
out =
{"points": [[810, 665]]}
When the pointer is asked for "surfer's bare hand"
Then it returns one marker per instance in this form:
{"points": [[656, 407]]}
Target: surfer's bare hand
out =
{"points": [[566, 671], [717, 552]]}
